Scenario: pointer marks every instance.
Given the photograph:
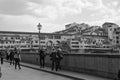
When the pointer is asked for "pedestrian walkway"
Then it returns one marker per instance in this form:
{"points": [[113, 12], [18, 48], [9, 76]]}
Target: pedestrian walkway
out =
{"points": [[34, 72], [69, 74], [9, 73]]}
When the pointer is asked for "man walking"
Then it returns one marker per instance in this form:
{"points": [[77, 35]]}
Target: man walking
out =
{"points": [[53, 58], [42, 58], [59, 58], [17, 58]]}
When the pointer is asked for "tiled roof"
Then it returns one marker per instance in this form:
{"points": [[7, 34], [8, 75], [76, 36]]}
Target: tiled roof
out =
{"points": [[33, 33], [109, 23]]}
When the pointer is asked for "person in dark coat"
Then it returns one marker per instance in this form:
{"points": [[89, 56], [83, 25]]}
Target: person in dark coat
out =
{"points": [[53, 58], [11, 56], [59, 58], [1, 56], [7, 54], [42, 58]]}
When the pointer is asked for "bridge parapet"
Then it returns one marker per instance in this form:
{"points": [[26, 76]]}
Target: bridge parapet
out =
{"points": [[105, 65]]}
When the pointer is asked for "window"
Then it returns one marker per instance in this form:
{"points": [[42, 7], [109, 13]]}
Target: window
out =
{"points": [[42, 37], [28, 46], [74, 42], [23, 46], [35, 46], [117, 32], [18, 37], [117, 37], [75, 46], [50, 37], [117, 41], [12, 46], [42, 42], [27, 42], [57, 37], [11, 37], [36, 41], [73, 39]]}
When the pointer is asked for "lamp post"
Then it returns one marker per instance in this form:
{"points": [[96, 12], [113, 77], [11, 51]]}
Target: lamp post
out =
{"points": [[39, 28]]}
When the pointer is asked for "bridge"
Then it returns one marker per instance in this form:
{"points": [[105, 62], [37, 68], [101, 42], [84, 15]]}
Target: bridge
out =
{"points": [[34, 72]]}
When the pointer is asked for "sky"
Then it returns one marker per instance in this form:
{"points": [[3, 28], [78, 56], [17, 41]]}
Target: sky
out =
{"points": [[24, 15]]}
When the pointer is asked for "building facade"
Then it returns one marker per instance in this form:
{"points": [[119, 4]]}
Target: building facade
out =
{"points": [[30, 40], [76, 37], [92, 38]]}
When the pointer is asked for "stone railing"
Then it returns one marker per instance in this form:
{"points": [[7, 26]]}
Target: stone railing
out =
{"points": [[104, 65]]}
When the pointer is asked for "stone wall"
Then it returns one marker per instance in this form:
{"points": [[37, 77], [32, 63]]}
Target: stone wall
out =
{"points": [[97, 64]]}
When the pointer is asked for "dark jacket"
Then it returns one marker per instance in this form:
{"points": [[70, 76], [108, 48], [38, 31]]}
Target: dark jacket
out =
{"points": [[60, 55], [41, 54], [11, 55], [53, 56]]}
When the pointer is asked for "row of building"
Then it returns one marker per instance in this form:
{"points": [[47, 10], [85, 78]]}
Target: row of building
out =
{"points": [[94, 38], [76, 37]]}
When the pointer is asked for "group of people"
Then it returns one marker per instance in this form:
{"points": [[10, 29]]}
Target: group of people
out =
{"points": [[55, 56], [12, 56]]}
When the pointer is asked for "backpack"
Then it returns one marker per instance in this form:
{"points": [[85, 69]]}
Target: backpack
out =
{"points": [[60, 55]]}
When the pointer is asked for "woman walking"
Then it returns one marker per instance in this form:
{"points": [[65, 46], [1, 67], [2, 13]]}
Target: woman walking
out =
{"points": [[17, 58]]}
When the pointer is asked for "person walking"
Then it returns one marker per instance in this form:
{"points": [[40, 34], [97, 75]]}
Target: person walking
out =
{"points": [[7, 54], [11, 57], [1, 56], [54, 60], [42, 58], [17, 58], [59, 58]]}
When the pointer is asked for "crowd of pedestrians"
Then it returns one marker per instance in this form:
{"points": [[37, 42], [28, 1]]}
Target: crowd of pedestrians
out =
{"points": [[12, 56]]}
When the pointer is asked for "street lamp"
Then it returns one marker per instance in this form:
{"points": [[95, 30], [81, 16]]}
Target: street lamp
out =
{"points": [[39, 28]]}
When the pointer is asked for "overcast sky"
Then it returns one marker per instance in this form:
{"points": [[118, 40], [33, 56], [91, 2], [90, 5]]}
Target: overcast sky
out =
{"points": [[24, 15]]}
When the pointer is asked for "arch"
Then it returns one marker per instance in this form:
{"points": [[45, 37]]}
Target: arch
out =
{"points": [[49, 42]]}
